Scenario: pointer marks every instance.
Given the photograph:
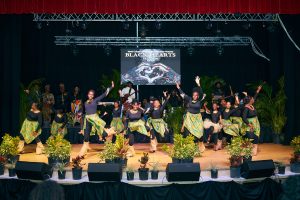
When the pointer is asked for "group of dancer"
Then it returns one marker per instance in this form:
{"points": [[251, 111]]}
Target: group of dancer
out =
{"points": [[211, 125]]}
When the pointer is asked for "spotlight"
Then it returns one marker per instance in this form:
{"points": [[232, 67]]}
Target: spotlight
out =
{"points": [[220, 50], [158, 25], [209, 25], [47, 23], [190, 50], [143, 31], [126, 25], [107, 50], [39, 25], [84, 25], [263, 25]]}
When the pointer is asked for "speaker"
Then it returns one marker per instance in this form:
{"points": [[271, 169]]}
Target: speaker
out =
{"points": [[257, 169], [183, 172], [33, 170], [105, 172]]}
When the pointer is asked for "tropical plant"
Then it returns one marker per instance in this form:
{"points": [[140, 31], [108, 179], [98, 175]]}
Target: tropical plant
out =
{"points": [[9, 146], [235, 150], [174, 119], [208, 84], [105, 81], [61, 166], [247, 148], [183, 148], [121, 145], [155, 166], [129, 169], [58, 148], [295, 143], [144, 161], [109, 152], [77, 162], [270, 106]]}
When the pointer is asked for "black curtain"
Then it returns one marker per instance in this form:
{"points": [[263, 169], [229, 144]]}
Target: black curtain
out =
{"points": [[267, 189]]}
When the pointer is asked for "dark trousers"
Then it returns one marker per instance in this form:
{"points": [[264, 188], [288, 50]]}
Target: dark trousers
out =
{"points": [[252, 136], [87, 131]]}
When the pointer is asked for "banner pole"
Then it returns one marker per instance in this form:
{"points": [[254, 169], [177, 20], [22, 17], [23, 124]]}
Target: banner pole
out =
{"points": [[137, 93]]}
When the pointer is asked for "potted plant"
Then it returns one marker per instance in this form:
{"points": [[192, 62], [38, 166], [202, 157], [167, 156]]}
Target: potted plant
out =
{"points": [[122, 146], [77, 167], [143, 170], [280, 167], [295, 160], [130, 173], [9, 148], [183, 150], [58, 150], [247, 148], [61, 170], [109, 154], [2, 164], [155, 170], [213, 171], [235, 151], [11, 165]]}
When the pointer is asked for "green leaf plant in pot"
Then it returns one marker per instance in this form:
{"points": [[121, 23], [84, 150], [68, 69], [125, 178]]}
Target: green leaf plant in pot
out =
{"points": [[280, 166], [122, 146], [247, 149], [9, 148], [11, 165], [295, 160], [143, 170], [235, 152], [109, 153], [58, 150], [183, 150], [155, 170], [61, 169], [77, 167], [130, 173], [213, 171]]}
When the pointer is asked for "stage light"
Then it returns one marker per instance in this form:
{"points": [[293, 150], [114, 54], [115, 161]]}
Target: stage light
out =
{"points": [[47, 23], [209, 25], [39, 25], [220, 50], [84, 25], [190, 50], [107, 50], [158, 25], [263, 25], [126, 25], [272, 27]]}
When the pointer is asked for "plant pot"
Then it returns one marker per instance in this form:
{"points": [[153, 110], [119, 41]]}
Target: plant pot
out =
{"points": [[130, 176], [124, 162], [11, 172], [235, 172], [61, 174], [186, 160], [54, 161], [143, 174], [77, 173], [281, 169], [247, 159], [276, 138], [176, 160], [295, 167], [214, 173], [110, 161], [2, 167], [154, 174], [13, 159]]}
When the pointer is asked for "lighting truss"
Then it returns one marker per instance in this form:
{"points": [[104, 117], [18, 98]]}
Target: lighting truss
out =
{"points": [[158, 42], [155, 17]]}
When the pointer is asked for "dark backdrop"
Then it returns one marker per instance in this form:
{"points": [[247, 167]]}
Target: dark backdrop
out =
{"points": [[28, 53]]}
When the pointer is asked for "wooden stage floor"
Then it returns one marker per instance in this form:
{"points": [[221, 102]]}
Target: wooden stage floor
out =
{"points": [[279, 153]]}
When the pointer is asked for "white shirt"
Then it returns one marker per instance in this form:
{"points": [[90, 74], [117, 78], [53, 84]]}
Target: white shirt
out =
{"points": [[126, 91]]}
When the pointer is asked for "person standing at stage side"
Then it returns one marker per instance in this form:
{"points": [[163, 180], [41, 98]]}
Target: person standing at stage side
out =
{"points": [[48, 102], [251, 126], [59, 122], [158, 127], [135, 124], [193, 123], [128, 93], [76, 106], [62, 99], [92, 122], [116, 121], [31, 129]]}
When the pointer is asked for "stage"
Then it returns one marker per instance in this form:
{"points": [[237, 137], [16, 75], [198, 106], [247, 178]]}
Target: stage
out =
{"points": [[276, 152]]}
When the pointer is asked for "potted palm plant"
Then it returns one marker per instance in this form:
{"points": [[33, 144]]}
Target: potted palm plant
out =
{"points": [[235, 151], [77, 167], [213, 171], [9, 148], [2, 164], [183, 150], [295, 160], [143, 170], [109, 154], [58, 150], [121, 145], [155, 170], [280, 167], [130, 173], [61, 170], [247, 150], [11, 165]]}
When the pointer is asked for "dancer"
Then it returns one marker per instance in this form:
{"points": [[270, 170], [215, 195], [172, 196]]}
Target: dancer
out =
{"points": [[76, 106], [193, 123], [117, 122], [59, 123], [251, 127], [158, 127], [214, 126], [236, 115], [48, 102], [135, 124], [31, 129], [92, 122]]}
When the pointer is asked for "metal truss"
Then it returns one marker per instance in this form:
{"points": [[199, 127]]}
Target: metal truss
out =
{"points": [[156, 42], [155, 17]]}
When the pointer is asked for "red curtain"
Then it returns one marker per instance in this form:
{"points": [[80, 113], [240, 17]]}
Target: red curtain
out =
{"points": [[149, 6]]}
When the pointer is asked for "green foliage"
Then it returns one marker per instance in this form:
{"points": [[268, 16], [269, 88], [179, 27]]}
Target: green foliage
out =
{"points": [[155, 166], [9, 146], [247, 147], [58, 148], [174, 119], [61, 166], [129, 169], [295, 143], [183, 148], [208, 84], [144, 160], [121, 145], [270, 106], [105, 81], [235, 151]]}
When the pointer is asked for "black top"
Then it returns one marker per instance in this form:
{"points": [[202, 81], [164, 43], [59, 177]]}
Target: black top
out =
{"points": [[63, 119], [248, 113], [215, 116], [91, 107], [132, 117], [37, 117], [226, 115], [158, 113], [237, 113], [63, 100], [117, 112], [192, 106]]}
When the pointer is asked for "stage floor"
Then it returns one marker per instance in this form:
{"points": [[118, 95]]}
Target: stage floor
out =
{"points": [[277, 152]]}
